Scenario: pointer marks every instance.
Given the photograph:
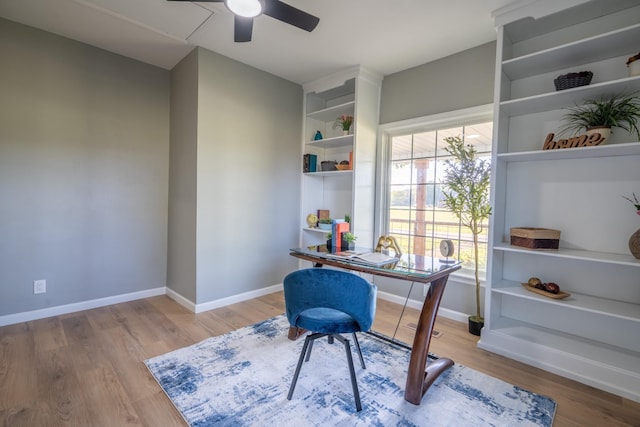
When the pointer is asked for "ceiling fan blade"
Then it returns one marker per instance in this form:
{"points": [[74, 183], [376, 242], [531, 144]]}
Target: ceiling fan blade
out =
{"points": [[243, 27], [289, 14]]}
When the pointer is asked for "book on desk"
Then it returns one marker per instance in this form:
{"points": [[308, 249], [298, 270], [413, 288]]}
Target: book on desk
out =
{"points": [[366, 257]]}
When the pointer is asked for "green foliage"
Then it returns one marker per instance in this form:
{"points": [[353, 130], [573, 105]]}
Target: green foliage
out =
{"points": [[349, 237], [619, 110], [466, 194], [325, 221], [466, 183]]}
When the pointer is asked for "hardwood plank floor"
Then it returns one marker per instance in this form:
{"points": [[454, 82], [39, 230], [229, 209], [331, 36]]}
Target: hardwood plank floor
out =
{"points": [[85, 368]]}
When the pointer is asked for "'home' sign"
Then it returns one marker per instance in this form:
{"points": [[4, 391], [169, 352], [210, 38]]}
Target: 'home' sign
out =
{"points": [[586, 140]]}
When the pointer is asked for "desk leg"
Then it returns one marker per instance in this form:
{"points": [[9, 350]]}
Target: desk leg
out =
{"points": [[420, 376]]}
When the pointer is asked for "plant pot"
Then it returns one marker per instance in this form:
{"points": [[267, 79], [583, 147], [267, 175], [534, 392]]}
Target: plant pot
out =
{"points": [[329, 245], [604, 131], [474, 326], [634, 68], [322, 226], [345, 132], [634, 243], [347, 246]]}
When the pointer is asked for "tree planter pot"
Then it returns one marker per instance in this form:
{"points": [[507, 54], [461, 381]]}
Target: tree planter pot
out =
{"points": [[474, 326]]}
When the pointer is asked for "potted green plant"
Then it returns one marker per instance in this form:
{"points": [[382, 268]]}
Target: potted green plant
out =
{"points": [[466, 192], [603, 114], [325, 223], [348, 241], [344, 122]]}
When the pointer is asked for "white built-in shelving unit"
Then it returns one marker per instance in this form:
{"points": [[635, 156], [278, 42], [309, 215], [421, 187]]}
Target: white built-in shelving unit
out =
{"points": [[355, 92], [593, 336]]}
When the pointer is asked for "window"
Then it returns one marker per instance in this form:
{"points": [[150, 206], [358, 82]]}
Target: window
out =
{"points": [[413, 210]]}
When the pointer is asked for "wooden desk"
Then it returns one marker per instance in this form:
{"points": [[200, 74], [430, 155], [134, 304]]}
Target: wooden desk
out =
{"points": [[411, 268]]}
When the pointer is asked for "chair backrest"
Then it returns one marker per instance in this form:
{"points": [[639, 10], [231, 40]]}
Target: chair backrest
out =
{"points": [[337, 289]]}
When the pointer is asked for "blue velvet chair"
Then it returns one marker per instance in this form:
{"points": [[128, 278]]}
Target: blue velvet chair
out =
{"points": [[329, 303]]}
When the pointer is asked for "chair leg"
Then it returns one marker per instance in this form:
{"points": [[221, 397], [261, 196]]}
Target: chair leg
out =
{"points": [[307, 342], [352, 372], [355, 339]]}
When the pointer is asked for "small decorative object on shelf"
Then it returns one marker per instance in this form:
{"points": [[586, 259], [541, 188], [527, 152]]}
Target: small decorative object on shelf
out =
{"points": [[571, 80], [312, 220], [317, 136], [329, 165], [633, 64], [634, 240], [343, 165], [549, 290], [344, 122], [535, 238], [309, 163], [620, 110], [586, 140], [325, 223]]}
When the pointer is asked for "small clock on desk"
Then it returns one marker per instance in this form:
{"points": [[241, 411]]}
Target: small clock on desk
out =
{"points": [[446, 250]]}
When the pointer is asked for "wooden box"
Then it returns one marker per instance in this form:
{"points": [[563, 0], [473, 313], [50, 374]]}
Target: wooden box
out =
{"points": [[535, 238]]}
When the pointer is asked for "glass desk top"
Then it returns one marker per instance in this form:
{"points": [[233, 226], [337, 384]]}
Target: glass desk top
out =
{"points": [[408, 267]]}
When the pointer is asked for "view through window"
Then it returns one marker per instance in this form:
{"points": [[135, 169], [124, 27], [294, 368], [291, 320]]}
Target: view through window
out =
{"points": [[416, 214]]}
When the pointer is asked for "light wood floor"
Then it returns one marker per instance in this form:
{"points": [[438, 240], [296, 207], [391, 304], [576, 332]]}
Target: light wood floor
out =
{"points": [[85, 368]]}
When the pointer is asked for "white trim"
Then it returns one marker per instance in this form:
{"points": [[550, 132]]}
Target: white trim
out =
{"points": [[199, 308], [415, 304], [438, 121], [28, 316]]}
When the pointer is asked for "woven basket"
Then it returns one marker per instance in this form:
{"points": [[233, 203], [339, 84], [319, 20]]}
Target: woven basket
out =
{"points": [[571, 80]]}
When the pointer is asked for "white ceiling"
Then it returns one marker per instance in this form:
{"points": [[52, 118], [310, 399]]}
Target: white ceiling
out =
{"points": [[385, 36]]}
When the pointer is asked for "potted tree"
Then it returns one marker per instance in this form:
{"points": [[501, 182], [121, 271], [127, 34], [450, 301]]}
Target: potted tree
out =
{"points": [[466, 192], [621, 110]]}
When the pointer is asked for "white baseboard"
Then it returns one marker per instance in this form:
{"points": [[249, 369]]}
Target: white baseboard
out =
{"points": [[28, 316], [444, 312], [199, 308]]}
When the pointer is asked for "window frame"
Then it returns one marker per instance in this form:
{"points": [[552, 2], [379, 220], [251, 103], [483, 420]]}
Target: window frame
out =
{"points": [[387, 131]]}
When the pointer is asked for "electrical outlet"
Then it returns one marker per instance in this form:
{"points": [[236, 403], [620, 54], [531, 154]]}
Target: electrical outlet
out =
{"points": [[39, 286]]}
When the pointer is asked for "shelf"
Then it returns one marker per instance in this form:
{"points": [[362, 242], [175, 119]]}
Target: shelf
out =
{"points": [[555, 341], [628, 149], [328, 173], [332, 113], [604, 46], [603, 257], [607, 307], [316, 230], [567, 98], [335, 142]]}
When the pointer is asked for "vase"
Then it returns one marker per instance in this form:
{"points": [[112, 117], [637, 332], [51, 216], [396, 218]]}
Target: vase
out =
{"points": [[604, 131], [634, 244], [345, 132]]}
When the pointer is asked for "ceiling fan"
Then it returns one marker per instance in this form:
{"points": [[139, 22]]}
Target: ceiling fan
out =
{"points": [[245, 10]]}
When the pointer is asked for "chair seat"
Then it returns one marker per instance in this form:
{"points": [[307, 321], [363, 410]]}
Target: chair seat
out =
{"points": [[327, 320]]}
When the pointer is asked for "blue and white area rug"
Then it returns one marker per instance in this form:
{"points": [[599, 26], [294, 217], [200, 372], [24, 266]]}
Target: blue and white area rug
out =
{"points": [[242, 379]]}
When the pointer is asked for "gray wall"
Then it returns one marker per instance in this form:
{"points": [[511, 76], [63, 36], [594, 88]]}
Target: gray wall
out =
{"points": [[84, 152], [181, 257], [458, 81], [248, 176]]}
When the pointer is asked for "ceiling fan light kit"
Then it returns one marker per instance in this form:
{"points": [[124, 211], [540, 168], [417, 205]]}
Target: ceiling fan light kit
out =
{"points": [[245, 10]]}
